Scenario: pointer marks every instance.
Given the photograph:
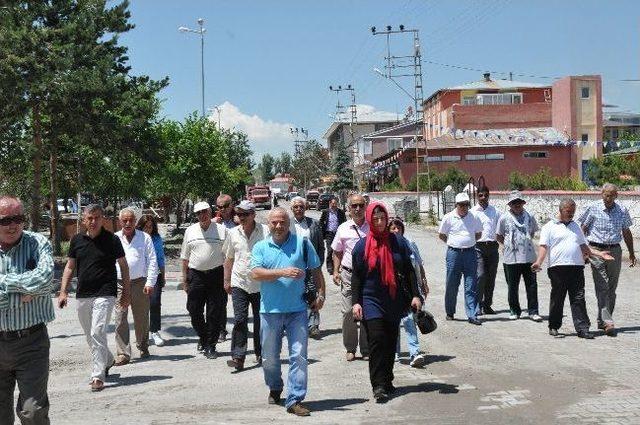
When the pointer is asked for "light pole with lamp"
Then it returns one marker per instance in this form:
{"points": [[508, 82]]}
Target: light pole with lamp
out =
{"points": [[200, 31]]}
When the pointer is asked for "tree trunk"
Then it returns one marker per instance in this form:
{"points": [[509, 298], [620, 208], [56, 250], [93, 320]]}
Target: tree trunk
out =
{"points": [[37, 169], [53, 198]]}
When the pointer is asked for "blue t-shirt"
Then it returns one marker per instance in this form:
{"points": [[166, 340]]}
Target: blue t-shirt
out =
{"points": [[283, 295]]}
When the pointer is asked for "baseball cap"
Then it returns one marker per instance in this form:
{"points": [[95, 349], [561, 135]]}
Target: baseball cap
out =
{"points": [[462, 198], [246, 206], [515, 195], [201, 206]]}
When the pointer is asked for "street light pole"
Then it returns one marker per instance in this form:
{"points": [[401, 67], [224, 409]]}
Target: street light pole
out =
{"points": [[201, 32]]}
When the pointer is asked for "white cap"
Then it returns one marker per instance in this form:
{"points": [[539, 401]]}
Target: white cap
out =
{"points": [[201, 206], [246, 206], [462, 197]]}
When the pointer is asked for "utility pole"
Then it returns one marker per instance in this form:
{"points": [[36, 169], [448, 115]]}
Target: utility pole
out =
{"points": [[340, 113], [201, 32], [298, 142], [409, 66]]}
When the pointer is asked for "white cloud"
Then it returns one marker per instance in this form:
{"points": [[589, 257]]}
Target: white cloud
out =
{"points": [[264, 135], [370, 113]]}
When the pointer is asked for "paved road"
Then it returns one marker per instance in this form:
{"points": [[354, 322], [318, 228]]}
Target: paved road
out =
{"points": [[501, 372]]}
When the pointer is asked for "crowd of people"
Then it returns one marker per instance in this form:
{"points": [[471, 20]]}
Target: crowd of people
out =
{"points": [[274, 270]]}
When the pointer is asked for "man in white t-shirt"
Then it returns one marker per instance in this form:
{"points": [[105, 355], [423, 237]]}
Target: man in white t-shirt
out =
{"points": [[203, 275], [564, 243], [460, 230]]}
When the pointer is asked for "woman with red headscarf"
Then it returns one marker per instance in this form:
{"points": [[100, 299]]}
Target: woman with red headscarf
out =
{"points": [[384, 288]]}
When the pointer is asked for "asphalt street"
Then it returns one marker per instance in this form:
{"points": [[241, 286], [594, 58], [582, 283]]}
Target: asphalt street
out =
{"points": [[501, 372]]}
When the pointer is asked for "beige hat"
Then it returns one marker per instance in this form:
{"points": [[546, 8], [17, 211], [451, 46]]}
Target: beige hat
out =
{"points": [[201, 206]]}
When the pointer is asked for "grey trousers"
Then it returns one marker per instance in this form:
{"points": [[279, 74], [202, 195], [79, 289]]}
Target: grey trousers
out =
{"points": [[605, 280], [353, 333], [25, 361]]}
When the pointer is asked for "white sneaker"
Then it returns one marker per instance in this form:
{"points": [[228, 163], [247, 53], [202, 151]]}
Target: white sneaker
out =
{"points": [[157, 339], [417, 361], [513, 317], [536, 318]]}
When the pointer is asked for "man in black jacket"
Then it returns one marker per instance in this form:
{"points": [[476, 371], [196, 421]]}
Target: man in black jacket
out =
{"points": [[330, 219]]}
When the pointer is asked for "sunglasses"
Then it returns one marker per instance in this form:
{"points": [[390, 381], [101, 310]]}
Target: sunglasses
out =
{"points": [[242, 214], [223, 206], [354, 206], [12, 219]]}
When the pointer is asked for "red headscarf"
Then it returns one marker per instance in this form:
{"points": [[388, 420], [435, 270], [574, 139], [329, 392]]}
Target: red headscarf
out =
{"points": [[377, 249]]}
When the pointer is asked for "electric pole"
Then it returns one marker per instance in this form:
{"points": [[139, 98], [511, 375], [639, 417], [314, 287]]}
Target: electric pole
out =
{"points": [[340, 113]]}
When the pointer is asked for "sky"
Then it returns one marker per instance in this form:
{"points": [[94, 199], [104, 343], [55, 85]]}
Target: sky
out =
{"points": [[269, 63]]}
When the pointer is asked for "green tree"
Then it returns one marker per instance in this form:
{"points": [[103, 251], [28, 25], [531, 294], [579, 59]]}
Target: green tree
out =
{"points": [[341, 167], [283, 163], [267, 167], [310, 164]]}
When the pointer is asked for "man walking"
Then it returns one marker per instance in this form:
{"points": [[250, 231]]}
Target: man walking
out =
{"points": [[237, 282], [515, 232], [26, 275], [347, 235], [460, 230], [279, 263], [224, 216], [202, 277], [309, 228], [486, 251], [95, 254], [563, 241], [605, 224], [143, 274], [330, 219]]}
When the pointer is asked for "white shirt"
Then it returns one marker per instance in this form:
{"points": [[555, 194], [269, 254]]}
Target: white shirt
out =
{"points": [[489, 218], [141, 257], [300, 228], [563, 243], [460, 231], [203, 248], [347, 235], [238, 247]]}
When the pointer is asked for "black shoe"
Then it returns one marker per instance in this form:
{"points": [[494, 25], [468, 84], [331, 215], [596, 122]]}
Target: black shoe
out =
{"points": [[488, 310], [380, 395], [390, 389], [210, 352], [314, 332], [585, 335], [200, 347], [553, 332], [475, 322], [106, 369], [274, 396], [449, 317], [223, 336], [237, 364]]}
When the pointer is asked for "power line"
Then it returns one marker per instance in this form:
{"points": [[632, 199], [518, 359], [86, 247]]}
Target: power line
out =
{"points": [[468, 68]]}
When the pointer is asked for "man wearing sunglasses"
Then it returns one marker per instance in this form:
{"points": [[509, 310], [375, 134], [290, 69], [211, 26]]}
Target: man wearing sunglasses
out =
{"points": [[347, 235], [26, 274], [244, 290], [225, 216]]}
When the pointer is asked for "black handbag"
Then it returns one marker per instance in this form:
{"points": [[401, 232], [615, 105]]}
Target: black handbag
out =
{"points": [[425, 321], [310, 291]]}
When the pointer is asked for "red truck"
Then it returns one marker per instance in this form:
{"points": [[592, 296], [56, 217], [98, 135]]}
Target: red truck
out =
{"points": [[260, 196]]}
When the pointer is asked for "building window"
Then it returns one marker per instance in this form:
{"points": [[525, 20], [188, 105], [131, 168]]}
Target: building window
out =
{"points": [[536, 154], [499, 99], [432, 159], [450, 158], [469, 100], [584, 137], [585, 93], [475, 157], [488, 157], [614, 133], [394, 143], [495, 156], [366, 147]]}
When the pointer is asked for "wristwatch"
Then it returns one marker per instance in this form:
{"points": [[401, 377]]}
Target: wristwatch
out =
{"points": [[321, 297]]}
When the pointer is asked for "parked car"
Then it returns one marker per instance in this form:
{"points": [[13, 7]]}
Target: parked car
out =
{"points": [[291, 195], [323, 201], [312, 198]]}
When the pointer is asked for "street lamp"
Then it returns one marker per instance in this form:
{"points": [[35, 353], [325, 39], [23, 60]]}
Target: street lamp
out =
{"points": [[218, 110], [200, 31]]}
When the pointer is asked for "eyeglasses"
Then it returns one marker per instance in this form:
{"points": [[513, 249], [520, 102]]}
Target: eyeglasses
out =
{"points": [[242, 214], [223, 206], [12, 219], [355, 206]]}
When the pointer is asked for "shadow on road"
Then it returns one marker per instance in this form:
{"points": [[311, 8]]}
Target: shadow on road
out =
{"points": [[427, 387], [63, 336], [333, 404], [170, 357], [438, 358], [180, 341], [180, 331], [118, 381], [327, 332]]}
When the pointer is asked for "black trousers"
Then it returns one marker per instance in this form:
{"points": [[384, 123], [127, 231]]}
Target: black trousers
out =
{"points": [[223, 320], [328, 239], [382, 336], [567, 279], [487, 253], [155, 305], [512, 273], [239, 335], [206, 289]]}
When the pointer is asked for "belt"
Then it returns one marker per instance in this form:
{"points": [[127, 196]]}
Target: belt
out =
{"points": [[486, 242], [349, 269], [604, 245], [13, 335], [461, 249]]}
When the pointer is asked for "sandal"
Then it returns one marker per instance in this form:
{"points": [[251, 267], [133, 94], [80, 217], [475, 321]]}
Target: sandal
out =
{"points": [[97, 385]]}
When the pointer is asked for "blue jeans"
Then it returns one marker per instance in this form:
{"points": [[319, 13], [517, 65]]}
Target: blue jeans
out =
{"points": [[273, 325], [412, 335], [461, 262]]}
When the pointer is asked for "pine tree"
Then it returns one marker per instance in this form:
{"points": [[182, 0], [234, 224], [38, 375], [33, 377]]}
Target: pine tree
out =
{"points": [[342, 169]]}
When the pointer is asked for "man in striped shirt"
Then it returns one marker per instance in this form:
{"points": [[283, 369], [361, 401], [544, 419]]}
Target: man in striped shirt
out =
{"points": [[26, 274]]}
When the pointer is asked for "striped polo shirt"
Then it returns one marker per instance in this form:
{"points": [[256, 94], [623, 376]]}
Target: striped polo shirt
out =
{"points": [[26, 268]]}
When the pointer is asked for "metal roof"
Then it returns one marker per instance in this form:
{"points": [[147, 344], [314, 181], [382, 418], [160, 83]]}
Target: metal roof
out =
{"points": [[497, 85]]}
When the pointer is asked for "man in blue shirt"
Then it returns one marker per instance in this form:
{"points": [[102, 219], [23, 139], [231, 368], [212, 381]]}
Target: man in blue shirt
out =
{"points": [[279, 263]]}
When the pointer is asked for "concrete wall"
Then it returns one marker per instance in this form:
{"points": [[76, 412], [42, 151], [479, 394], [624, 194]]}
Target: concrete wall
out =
{"points": [[482, 117], [542, 204]]}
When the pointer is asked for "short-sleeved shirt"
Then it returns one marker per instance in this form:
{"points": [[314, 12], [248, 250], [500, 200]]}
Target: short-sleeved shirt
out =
{"points": [[203, 248], [604, 225], [460, 231], [489, 218], [96, 263], [563, 243], [517, 233], [347, 235], [283, 295], [238, 247]]}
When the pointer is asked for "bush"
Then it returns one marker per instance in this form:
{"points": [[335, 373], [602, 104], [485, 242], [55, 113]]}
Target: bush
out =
{"points": [[453, 176], [392, 186], [544, 180], [621, 171]]}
